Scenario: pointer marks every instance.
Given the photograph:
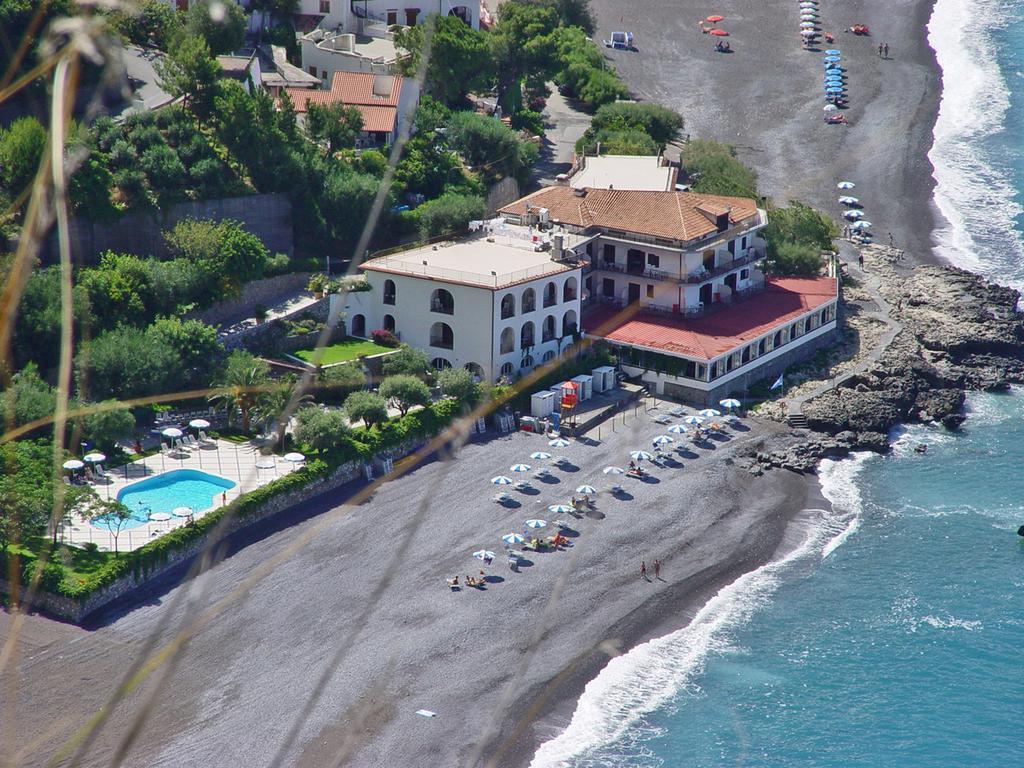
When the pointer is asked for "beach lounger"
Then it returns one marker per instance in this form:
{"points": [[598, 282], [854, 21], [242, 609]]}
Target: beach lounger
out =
{"points": [[501, 498], [661, 418], [616, 488], [453, 584], [678, 412]]}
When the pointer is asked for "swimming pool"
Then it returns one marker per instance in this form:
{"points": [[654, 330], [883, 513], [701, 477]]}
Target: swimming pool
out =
{"points": [[167, 492]]}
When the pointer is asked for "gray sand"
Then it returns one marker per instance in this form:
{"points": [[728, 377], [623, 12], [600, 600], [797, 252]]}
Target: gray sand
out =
{"points": [[766, 98], [246, 675]]}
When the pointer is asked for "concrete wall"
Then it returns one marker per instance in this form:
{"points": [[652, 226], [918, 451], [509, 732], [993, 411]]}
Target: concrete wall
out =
{"points": [[263, 291], [76, 611], [269, 217], [265, 336]]}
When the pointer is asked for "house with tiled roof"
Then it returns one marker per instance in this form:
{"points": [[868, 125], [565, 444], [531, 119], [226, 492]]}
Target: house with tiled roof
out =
{"points": [[675, 282], [384, 101]]}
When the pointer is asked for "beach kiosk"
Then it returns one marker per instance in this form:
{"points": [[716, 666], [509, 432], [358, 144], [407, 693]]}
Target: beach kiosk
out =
{"points": [[584, 386], [604, 378], [543, 404]]}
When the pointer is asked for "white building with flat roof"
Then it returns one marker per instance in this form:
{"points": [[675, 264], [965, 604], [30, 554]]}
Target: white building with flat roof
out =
{"points": [[636, 172], [496, 304]]}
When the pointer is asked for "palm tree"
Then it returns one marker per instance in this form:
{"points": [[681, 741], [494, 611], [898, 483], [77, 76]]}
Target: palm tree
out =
{"points": [[242, 384], [273, 403]]}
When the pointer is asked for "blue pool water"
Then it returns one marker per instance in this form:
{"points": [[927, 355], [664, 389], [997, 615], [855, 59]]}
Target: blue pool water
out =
{"points": [[891, 639], [165, 492]]}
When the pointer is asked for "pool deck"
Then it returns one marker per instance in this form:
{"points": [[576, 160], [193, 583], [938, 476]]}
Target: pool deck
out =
{"points": [[232, 461]]}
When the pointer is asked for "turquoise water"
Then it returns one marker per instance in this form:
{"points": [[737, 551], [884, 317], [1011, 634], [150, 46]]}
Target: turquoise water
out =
{"points": [[166, 492], [892, 639]]}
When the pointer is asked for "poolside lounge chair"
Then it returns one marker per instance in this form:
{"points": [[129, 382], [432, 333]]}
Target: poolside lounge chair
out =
{"points": [[97, 470], [165, 448], [193, 443], [203, 438]]}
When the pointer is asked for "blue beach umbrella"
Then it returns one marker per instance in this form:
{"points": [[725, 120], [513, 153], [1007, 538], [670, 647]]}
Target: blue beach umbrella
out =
{"points": [[534, 523], [560, 509], [540, 455], [501, 480], [694, 420], [831, 52], [559, 442], [832, 90], [483, 554], [512, 539], [677, 429], [831, 59], [661, 440], [639, 455], [520, 467]]}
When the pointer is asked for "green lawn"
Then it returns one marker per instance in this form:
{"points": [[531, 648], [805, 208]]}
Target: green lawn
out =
{"points": [[78, 563], [342, 351]]}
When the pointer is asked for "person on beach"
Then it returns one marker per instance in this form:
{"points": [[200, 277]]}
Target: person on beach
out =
{"points": [[657, 569], [885, 51], [892, 241], [880, 50], [643, 570], [860, 260]]}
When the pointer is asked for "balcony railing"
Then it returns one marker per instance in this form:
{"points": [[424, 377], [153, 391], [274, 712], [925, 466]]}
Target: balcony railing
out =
{"points": [[699, 310], [442, 307], [691, 279]]}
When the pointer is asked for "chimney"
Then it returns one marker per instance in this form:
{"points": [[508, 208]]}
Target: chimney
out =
{"points": [[382, 85], [556, 247]]}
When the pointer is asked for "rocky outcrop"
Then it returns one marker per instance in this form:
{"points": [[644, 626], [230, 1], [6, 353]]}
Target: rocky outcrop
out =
{"points": [[960, 333]]}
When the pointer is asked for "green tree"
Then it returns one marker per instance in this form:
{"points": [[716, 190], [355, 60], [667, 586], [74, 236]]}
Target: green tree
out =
{"points": [[368, 407], [21, 150], [799, 223], [220, 24], [714, 169], [489, 145], [451, 212], [405, 359], [196, 345], [38, 323], [339, 381], [460, 57], [228, 254], [337, 124], [113, 516], [404, 391], [126, 363], [521, 45], [601, 87], [28, 398], [346, 201], [189, 71], [108, 424], [577, 13], [321, 429], [155, 23], [89, 189], [120, 289], [242, 382], [660, 123], [165, 172], [459, 383], [26, 489], [273, 403]]}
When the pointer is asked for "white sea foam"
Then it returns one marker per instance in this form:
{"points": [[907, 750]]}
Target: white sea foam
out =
{"points": [[613, 705], [973, 195], [951, 622]]}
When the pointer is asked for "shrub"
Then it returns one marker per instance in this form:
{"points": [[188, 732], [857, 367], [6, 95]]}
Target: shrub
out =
{"points": [[368, 407], [799, 259], [320, 430], [339, 381], [526, 119], [660, 123], [601, 87], [385, 338], [405, 360], [104, 427], [714, 169], [163, 168], [450, 213], [278, 264], [459, 383], [404, 391]]}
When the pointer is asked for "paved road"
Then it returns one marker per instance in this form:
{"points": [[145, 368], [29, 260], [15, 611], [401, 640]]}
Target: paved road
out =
{"points": [[565, 123]]}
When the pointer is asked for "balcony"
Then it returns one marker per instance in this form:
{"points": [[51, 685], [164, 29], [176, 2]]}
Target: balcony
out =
{"points": [[442, 307], [699, 310], [691, 279]]}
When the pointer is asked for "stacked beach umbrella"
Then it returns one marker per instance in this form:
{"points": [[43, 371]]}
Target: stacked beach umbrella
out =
{"points": [[835, 81], [809, 21]]}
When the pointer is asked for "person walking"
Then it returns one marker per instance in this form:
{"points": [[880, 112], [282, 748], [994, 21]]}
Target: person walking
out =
{"points": [[892, 241], [657, 569], [860, 260], [885, 51], [879, 50], [643, 570]]}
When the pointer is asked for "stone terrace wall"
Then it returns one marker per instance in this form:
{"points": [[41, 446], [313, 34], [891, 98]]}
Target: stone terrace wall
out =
{"points": [[263, 291], [269, 217]]}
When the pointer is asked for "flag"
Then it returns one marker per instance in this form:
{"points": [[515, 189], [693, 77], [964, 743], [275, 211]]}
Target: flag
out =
{"points": [[778, 382]]}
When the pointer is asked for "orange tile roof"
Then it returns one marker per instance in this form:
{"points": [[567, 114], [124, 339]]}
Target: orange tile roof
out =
{"points": [[705, 338], [375, 118], [669, 215], [357, 88]]}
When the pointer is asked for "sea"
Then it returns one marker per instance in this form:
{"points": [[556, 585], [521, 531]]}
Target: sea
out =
{"points": [[891, 635]]}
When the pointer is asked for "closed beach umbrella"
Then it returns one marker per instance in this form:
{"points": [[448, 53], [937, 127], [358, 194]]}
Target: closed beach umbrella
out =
{"points": [[512, 539], [520, 467], [560, 509], [662, 440], [266, 463], [714, 19], [694, 420], [159, 517], [73, 464], [808, 33], [294, 457], [831, 59], [613, 471], [172, 432], [831, 52], [808, 16], [830, 108], [587, 489], [483, 554], [710, 413], [534, 523], [853, 215], [845, 185], [847, 200], [639, 455], [199, 424], [730, 403], [807, 24], [182, 512], [501, 480], [559, 442], [719, 33], [677, 429], [94, 457], [834, 91], [540, 455], [861, 225]]}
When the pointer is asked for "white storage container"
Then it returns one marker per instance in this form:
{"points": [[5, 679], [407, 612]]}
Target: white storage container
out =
{"points": [[584, 386], [604, 378], [542, 404]]}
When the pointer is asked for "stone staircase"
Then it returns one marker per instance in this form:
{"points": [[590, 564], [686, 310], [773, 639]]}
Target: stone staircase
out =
{"points": [[797, 421]]}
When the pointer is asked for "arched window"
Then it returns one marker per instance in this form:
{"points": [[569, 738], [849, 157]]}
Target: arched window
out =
{"points": [[550, 295], [569, 291], [527, 362], [441, 336], [389, 323], [476, 369], [746, 355], [526, 336], [508, 341], [777, 340], [548, 356], [569, 323], [508, 306], [440, 364], [442, 301], [389, 292], [529, 301], [358, 325], [760, 347], [506, 369], [548, 331], [461, 12]]}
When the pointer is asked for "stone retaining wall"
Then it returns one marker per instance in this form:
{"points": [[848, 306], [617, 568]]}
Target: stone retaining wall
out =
{"points": [[77, 610], [264, 291]]}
